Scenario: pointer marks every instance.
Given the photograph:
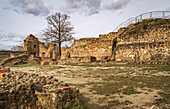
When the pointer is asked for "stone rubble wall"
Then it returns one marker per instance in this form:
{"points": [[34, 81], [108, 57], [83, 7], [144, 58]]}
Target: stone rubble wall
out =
{"points": [[144, 41], [148, 42], [8, 54], [15, 60], [31, 45], [24, 90], [84, 41], [77, 60], [49, 52], [64, 52], [96, 47], [102, 48], [34, 47], [109, 36]]}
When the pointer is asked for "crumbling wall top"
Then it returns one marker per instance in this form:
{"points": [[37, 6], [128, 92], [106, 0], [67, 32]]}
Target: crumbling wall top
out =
{"points": [[31, 38]]}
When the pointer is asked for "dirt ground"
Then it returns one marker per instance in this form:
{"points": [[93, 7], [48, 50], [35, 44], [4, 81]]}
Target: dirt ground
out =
{"points": [[111, 85]]}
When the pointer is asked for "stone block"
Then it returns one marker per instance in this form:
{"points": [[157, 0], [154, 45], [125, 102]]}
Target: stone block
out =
{"points": [[44, 63]]}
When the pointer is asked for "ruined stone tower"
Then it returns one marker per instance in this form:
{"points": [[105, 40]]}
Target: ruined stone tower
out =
{"points": [[31, 45]]}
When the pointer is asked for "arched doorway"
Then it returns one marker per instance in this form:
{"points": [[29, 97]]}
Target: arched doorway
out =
{"points": [[43, 54]]}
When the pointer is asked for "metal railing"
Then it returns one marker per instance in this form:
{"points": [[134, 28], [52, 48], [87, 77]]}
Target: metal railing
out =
{"points": [[147, 15]]}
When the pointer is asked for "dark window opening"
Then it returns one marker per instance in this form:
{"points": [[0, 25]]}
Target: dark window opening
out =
{"points": [[150, 46], [43, 54], [35, 54], [51, 55]]}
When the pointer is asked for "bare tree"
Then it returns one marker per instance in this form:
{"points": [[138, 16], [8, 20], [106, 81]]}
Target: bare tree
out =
{"points": [[46, 39], [17, 48], [59, 29]]}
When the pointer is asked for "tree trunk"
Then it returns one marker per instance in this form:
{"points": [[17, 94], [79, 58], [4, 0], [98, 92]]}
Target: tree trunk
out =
{"points": [[60, 49]]}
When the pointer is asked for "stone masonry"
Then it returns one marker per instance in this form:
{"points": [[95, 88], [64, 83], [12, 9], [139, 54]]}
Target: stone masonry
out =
{"points": [[19, 90], [147, 41], [95, 47], [144, 42], [37, 49]]}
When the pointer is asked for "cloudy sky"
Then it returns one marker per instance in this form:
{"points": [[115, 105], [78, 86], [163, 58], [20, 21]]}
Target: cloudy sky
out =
{"points": [[19, 18]]}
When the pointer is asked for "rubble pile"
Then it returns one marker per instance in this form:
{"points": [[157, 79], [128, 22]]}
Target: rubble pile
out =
{"points": [[24, 90]]}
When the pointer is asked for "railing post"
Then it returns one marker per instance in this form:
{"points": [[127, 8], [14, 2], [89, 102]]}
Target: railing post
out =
{"points": [[135, 19], [139, 18], [163, 13], [150, 14]]}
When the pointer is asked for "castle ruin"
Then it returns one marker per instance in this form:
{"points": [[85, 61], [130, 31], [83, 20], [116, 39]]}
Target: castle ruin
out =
{"points": [[145, 41], [34, 49]]}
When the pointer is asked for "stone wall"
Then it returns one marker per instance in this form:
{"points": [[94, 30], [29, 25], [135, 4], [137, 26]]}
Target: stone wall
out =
{"points": [[15, 60], [146, 42], [47, 52], [65, 53], [84, 41], [37, 49], [77, 60], [31, 45], [23, 90], [96, 47], [7, 54]]}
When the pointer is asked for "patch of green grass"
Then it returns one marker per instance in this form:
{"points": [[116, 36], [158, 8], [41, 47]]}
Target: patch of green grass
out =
{"points": [[126, 102], [155, 67], [1, 59], [114, 102], [106, 88], [165, 98], [119, 64], [112, 97], [102, 99], [129, 90], [114, 84], [156, 82], [49, 67]]}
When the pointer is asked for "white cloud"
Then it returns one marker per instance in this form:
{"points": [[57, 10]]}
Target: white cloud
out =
{"points": [[117, 4], [35, 7], [9, 40], [168, 9], [6, 8], [8, 37], [89, 7]]}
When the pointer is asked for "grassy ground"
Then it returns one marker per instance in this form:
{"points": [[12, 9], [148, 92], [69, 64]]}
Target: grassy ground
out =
{"points": [[112, 85], [1, 59], [27, 64]]}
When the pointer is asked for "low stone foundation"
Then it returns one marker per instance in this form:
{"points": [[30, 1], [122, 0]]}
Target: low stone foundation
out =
{"points": [[24, 90], [15, 60], [77, 60]]}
